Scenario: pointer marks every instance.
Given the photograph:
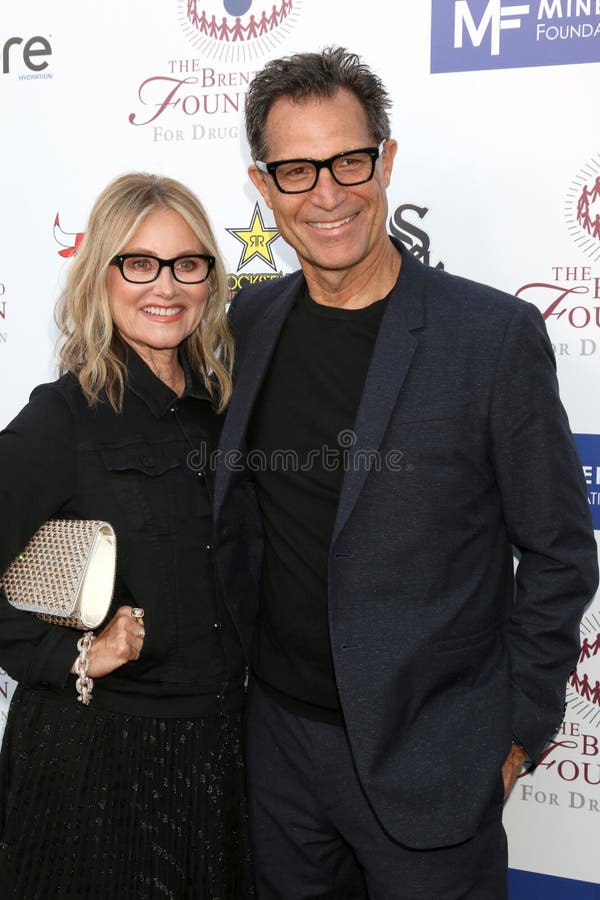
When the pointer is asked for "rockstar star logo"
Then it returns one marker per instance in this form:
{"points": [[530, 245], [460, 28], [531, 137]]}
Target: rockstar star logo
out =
{"points": [[256, 239]]}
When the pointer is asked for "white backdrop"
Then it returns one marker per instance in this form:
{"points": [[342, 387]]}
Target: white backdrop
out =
{"points": [[495, 178]]}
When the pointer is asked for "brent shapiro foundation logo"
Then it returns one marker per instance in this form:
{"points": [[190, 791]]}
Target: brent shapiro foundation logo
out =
{"points": [[468, 35], [582, 209], [237, 30], [583, 690]]}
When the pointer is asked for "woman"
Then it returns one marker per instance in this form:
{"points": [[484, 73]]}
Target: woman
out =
{"points": [[140, 793]]}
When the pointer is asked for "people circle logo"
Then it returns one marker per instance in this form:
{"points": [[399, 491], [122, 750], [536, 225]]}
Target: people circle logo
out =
{"points": [[582, 209], [583, 690], [235, 30]]}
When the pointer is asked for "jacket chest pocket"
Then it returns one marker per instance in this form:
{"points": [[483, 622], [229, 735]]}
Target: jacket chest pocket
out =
{"points": [[144, 478], [440, 442]]}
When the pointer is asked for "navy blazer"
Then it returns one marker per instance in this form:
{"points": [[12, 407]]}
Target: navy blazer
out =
{"points": [[463, 452]]}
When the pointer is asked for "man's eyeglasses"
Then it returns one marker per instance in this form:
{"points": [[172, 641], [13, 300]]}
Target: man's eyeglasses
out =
{"points": [[295, 176], [138, 268]]}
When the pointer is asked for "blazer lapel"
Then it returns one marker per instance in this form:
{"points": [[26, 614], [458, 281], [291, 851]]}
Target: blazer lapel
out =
{"points": [[392, 356], [260, 344]]}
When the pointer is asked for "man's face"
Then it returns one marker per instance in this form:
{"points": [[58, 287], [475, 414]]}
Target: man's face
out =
{"points": [[333, 227]]}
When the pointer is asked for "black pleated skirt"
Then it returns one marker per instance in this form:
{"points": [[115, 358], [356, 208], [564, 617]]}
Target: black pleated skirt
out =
{"points": [[97, 804]]}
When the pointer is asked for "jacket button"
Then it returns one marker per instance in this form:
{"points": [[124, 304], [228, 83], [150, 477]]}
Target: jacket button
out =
{"points": [[147, 461]]}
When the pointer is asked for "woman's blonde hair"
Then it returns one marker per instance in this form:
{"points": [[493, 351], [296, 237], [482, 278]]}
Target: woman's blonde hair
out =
{"points": [[89, 345]]}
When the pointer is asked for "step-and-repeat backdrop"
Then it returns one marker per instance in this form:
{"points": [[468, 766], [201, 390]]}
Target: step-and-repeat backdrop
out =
{"points": [[497, 178]]}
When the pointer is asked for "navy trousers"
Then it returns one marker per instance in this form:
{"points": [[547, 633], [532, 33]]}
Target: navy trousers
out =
{"points": [[315, 836]]}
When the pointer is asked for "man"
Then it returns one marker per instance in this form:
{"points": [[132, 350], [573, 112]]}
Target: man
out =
{"points": [[402, 432]]}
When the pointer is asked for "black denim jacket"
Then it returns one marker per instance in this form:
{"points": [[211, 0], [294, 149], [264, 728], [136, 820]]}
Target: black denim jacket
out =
{"points": [[146, 471]]}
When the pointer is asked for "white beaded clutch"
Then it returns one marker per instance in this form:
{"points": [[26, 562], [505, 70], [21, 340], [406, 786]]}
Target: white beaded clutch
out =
{"points": [[66, 573]]}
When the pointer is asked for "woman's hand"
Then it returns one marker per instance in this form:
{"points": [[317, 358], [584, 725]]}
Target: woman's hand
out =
{"points": [[118, 643]]}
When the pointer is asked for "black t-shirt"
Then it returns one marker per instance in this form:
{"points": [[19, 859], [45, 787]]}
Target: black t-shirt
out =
{"points": [[299, 436]]}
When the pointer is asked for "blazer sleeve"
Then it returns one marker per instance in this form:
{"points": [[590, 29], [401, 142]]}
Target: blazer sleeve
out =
{"points": [[545, 506], [38, 472]]}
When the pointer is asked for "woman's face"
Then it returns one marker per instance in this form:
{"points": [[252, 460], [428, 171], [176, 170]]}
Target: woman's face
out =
{"points": [[159, 315]]}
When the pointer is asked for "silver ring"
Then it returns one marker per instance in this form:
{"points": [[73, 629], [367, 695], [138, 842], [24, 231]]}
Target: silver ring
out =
{"points": [[142, 632], [137, 612]]}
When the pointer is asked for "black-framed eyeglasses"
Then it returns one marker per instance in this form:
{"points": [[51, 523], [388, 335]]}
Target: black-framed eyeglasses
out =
{"points": [[296, 176], [140, 268]]}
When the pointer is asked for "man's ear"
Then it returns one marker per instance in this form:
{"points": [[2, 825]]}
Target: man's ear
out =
{"points": [[391, 146], [259, 180]]}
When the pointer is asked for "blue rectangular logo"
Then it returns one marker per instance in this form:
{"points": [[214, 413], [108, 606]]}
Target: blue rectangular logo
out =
{"points": [[588, 446], [470, 35]]}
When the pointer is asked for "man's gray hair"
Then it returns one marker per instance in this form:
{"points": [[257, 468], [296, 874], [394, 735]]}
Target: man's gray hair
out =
{"points": [[305, 75]]}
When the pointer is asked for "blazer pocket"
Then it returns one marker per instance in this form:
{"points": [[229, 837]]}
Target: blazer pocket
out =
{"points": [[460, 664], [468, 641], [434, 451], [435, 412]]}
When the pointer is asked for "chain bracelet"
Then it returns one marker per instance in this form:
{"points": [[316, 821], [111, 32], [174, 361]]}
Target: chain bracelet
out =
{"points": [[84, 684]]}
